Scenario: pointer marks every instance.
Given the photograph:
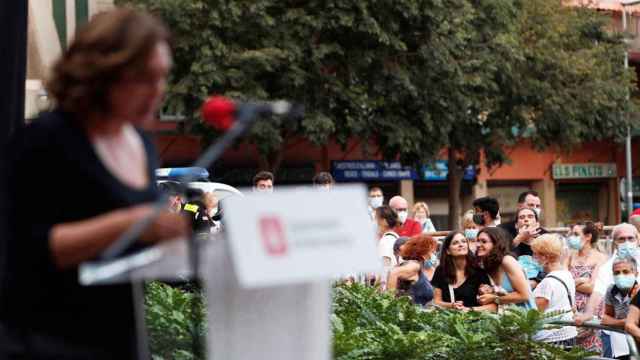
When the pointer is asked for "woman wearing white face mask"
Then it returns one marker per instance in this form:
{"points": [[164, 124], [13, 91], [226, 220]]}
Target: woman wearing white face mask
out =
{"points": [[422, 215], [583, 265]]}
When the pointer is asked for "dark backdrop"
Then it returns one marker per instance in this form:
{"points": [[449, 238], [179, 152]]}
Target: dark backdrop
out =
{"points": [[13, 59]]}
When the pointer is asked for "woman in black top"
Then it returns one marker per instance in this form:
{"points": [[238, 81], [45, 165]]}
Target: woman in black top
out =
{"points": [[457, 275], [99, 170], [408, 277]]}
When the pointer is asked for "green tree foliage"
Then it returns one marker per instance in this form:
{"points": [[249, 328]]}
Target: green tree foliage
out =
{"points": [[412, 76]]}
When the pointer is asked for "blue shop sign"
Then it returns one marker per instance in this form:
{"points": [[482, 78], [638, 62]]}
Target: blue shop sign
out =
{"points": [[372, 170], [441, 170], [375, 170]]}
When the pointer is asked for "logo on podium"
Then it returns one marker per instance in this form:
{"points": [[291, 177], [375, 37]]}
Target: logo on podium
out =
{"points": [[273, 237]]}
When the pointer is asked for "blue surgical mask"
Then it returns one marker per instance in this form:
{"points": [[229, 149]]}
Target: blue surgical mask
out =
{"points": [[471, 233], [431, 262], [574, 242], [624, 282], [628, 249], [530, 266]]}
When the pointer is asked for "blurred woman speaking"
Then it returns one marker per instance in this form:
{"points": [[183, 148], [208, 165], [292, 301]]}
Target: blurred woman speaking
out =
{"points": [[81, 175]]}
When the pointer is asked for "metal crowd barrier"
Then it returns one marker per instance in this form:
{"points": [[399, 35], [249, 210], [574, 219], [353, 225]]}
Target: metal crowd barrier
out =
{"points": [[595, 324]]}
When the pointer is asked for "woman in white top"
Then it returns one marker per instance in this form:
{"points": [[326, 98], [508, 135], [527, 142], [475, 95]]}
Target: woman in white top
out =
{"points": [[556, 292], [387, 220]]}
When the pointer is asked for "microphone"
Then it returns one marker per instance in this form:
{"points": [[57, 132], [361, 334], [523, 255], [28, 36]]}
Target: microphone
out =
{"points": [[220, 112]]}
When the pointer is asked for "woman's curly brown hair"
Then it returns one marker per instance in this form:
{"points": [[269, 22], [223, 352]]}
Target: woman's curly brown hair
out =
{"points": [[501, 247], [109, 44], [418, 247]]}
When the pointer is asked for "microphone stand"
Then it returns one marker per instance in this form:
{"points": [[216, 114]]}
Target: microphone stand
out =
{"points": [[246, 116]]}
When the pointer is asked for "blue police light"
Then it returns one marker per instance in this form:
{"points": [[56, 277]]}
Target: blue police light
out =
{"points": [[196, 173]]}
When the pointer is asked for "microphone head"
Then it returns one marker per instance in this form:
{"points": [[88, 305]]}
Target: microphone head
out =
{"points": [[219, 112]]}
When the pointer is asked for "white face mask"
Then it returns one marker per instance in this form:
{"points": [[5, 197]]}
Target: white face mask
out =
{"points": [[538, 212], [213, 211], [498, 221], [375, 201], [263, 191], [402, 216]]}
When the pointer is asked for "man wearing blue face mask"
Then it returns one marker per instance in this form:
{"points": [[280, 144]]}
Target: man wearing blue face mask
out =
{"points": [[617, 301], [625, 244]]}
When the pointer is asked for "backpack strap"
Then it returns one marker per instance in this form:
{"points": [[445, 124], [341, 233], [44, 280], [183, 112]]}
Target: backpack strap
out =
{"points": [[565, 287], [392, 233]]}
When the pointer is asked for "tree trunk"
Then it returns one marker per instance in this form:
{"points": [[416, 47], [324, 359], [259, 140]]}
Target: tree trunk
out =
{"points": [[454, 179], [271, 162]]}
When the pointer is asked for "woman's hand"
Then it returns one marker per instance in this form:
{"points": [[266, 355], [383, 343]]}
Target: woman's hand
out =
{"points": [[582, 280], [74, 242], [166, 226], [486, 299], [458, 305], [526, 234]]}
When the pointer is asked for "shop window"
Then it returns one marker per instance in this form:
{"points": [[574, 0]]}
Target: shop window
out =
{"points": [[576, 202]]}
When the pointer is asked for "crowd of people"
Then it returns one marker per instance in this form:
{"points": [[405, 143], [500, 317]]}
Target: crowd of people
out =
{"points": [[488, 265]]}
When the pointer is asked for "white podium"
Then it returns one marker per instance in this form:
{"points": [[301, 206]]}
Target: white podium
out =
{"points": [[268, 279], [281, 322]]}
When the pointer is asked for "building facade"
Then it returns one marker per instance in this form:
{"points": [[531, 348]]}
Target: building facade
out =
{"points": [[584, 184], [52, 24]]}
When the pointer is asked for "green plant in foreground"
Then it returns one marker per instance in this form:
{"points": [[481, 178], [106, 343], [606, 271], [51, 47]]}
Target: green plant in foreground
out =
{"points": [[372, 325], [170, 322], [369, 325]]}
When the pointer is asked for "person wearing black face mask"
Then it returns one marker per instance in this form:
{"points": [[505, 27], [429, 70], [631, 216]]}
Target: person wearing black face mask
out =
{"points": [[486, 211]]}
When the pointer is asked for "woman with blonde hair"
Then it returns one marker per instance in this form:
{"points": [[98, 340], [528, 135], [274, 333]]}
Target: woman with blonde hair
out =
{"points": [[422, 215], [556, 292]]}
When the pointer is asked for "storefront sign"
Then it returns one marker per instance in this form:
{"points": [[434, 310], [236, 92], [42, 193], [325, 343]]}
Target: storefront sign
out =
{"points": [[297, 235], [441, 170], [365, 170], [374, 170], [584, 171]]}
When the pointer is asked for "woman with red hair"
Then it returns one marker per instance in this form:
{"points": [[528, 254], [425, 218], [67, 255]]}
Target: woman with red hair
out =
{"points": [[408, 277]]}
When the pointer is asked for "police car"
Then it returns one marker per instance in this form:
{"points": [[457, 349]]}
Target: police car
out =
{"points": [[200, 181]]}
